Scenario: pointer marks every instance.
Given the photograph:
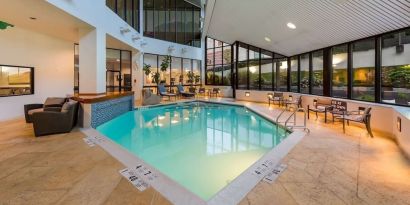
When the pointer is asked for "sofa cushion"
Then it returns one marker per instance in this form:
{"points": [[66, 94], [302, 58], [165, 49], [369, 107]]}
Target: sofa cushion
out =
{"points": [[54, 102], [31, 112], [70, 105]]}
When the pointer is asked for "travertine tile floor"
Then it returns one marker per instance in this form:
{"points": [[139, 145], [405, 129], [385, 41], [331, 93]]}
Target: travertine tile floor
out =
{"points": [[326, 167]]}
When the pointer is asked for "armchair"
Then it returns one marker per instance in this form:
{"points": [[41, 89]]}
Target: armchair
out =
{"points": [[54, 122], [51, 104]]}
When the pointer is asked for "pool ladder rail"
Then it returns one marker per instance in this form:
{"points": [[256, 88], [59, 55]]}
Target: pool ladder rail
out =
{"points": [[291, 120]]}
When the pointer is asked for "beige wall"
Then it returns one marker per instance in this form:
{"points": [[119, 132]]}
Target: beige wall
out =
{"points": [[53, 62]]}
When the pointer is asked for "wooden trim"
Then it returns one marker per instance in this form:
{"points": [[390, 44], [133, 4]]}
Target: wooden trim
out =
{"points": [[90, 99]]}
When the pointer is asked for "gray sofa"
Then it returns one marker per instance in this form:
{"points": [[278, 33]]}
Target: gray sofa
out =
{"points": [[51, 104], [56, 121]]}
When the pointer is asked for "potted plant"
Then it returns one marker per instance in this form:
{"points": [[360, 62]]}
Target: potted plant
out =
{"points": [[147, 69], [156, 77], [191, 77], [165, 65], [197, 78]]}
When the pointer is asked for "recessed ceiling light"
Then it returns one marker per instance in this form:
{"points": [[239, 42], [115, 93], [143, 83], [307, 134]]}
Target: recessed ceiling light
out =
{"points": [[33, 18], [267, 39], [291, 25]]}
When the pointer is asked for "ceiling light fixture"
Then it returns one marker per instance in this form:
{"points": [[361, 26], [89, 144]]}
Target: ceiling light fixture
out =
{"points": [[291, 25], [33, 18], [267, 39]]}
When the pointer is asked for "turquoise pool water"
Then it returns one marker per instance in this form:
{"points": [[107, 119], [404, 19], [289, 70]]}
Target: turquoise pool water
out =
{"points": [[202, 146]]}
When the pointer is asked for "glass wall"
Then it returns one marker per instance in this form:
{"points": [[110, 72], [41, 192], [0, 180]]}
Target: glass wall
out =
{"points": [[364, 60], [16, 80], [282, 75], [304, 73], [294, 73], [254, 67], [317, 69], [118, 69], [242, 70], [339, 71], [173, 20], [218, 62], [267, 77], [128, 10], [177, 73], [395, 68]]}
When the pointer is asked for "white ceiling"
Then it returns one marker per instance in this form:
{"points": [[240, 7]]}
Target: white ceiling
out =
{"points": [[50, 20], [320, 23]]}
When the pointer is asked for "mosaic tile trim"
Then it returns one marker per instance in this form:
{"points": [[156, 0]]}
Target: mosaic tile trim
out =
{"points": [[103, 112]]}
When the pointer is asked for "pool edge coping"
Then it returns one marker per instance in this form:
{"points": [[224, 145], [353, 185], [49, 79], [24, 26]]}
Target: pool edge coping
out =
{"points": [[232, 193]]}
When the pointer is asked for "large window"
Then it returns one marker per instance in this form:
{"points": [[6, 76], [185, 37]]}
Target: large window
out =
{"points": [[173, 20], [254, 56], [294, 73], [364, 59], [242, 70], [267, 77], [339, 74], [182, 71], [118, 69], [395, 70], [128, 10], [304, 73], [317, 69], [16, 80], [282, 75], [218, 62]]}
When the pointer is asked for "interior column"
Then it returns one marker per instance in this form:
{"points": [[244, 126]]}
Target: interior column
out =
{"points": [[92, 61]]}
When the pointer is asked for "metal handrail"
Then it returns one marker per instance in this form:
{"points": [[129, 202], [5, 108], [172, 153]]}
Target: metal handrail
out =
{"points": [[277, 118], [294, 120]]}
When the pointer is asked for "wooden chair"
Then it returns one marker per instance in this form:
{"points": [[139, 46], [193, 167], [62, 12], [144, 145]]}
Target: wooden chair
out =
{"points": [[214, 91]]}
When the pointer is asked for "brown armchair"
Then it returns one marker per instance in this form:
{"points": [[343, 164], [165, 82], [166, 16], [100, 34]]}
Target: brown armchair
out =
{"points": [[51, 104], [54, 122]]}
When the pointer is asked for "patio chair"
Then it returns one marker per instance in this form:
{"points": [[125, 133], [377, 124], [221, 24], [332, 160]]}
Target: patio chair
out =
{"points": [[55, 122], [295, 102], [363, 115], [183, 93], [320, 105], [214, 91], [202, 91], [163, 92], [149, 98], [338, 109], [51, 104], [276, 97]]}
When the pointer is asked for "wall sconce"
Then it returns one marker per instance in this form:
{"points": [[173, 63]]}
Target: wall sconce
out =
{"points": [[143, 43], [135, 38], [290, 98], [270, 95], [247, 94], [171, 49], [184, 50], [399, 124], [124, 30]]}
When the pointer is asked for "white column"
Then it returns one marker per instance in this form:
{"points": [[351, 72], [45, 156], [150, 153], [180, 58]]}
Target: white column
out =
{"points": [[92, 62], [137, 80]]}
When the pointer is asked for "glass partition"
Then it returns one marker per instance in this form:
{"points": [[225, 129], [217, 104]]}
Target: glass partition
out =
{"points": [[218, 62], [16, 80], [242, 67], [283, 75], [254, 66], [128, 10]]}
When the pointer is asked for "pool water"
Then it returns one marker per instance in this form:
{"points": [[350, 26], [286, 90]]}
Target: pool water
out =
{"points": [[202, 146]]}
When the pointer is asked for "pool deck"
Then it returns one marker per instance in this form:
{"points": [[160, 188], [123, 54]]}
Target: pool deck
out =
{"points": [[326, 167]]}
